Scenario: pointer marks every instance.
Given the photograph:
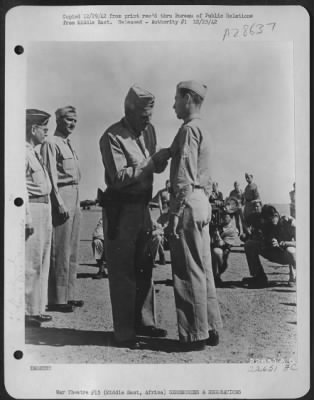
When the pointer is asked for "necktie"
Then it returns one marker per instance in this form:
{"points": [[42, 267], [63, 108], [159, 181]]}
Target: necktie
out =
{"points": [[75, 158], [69, 144], [40, 160], [141, 144], [71, 148]]}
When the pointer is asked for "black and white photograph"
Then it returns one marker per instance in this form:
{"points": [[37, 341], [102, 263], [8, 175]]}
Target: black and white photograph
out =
{"points": [[163, 177]]}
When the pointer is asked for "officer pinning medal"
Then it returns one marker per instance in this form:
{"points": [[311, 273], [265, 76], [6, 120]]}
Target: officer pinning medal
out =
{"points": [[189, 221]]}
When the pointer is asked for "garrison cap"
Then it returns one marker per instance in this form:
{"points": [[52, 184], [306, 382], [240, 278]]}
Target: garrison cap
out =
{"points": [[197, 87], [36, 117], [138, 98], [63, 111]]}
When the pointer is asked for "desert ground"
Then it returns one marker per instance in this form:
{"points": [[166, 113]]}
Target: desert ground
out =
{"points": [[258, 323]]}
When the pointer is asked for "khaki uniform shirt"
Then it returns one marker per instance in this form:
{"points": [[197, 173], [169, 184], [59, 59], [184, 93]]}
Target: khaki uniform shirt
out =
{"points": [[190, 164], [251, 193], [62, 163], [237, 194], [127, 158], [37, 178]]}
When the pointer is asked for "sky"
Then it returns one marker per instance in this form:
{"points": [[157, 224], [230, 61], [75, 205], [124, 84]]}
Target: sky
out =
{"points": [[249, 107]]}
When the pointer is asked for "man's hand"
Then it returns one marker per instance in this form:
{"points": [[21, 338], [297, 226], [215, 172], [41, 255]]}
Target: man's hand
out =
{"points": [[161, 156], [220, 243], [63, 213], [29, 230], [160, 167], [274, 243], [172, 226]]}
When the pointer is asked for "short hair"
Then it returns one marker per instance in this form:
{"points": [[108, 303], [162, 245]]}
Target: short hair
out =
{"points": [[269, 211], [197, 99]]}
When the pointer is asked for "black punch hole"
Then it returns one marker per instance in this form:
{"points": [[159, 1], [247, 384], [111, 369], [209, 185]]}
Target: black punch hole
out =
{"points": [[18, 354], [18, 202], [19, 49]]}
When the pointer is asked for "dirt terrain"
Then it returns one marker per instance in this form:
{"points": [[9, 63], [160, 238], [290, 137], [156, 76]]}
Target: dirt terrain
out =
{"points": [[258, 323]]}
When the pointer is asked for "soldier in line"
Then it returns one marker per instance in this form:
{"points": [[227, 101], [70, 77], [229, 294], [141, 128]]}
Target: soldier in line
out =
{"points": [[38, 226], [197, 307], [128, 150], [62, 163]]}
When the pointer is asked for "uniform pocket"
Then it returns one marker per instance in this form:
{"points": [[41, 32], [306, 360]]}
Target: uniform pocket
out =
{"points": [[38, 175], [69, 166], [197, 210]]}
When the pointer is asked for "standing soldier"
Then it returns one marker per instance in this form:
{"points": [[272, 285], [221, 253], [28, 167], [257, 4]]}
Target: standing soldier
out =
{"points": [[62, 164], [236, 195], [38, 225], [128, 152], [292, 201], [190, 212], [250, 194]]}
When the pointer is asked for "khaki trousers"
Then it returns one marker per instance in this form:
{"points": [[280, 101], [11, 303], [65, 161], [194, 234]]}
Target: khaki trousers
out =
{"points": [[65, 248], [37, 258], [254, 248], [130, 264], [194, 287]]}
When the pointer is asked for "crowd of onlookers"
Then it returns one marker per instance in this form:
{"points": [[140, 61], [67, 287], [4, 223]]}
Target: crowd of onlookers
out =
{"points": [[239, 219]]}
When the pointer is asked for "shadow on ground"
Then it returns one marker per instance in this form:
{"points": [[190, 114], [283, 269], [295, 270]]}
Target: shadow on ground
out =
{"points": [[89, 265], [85, 275], [73, 337], [67, 337], [167, 282], [242, 285]]}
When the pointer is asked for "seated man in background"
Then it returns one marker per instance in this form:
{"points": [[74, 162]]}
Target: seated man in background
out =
{"points": [[278, 245], [162, 198], [216, 197], [99, 250], [156, 244], [222, 241]]}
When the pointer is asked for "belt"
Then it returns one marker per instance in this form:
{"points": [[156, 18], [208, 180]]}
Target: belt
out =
{"points": [[39, 199], [197, 187], [67, 184], [193, 188]]}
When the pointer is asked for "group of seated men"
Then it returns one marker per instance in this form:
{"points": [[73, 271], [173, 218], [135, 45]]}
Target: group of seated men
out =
{"points": [[264, 233]]}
